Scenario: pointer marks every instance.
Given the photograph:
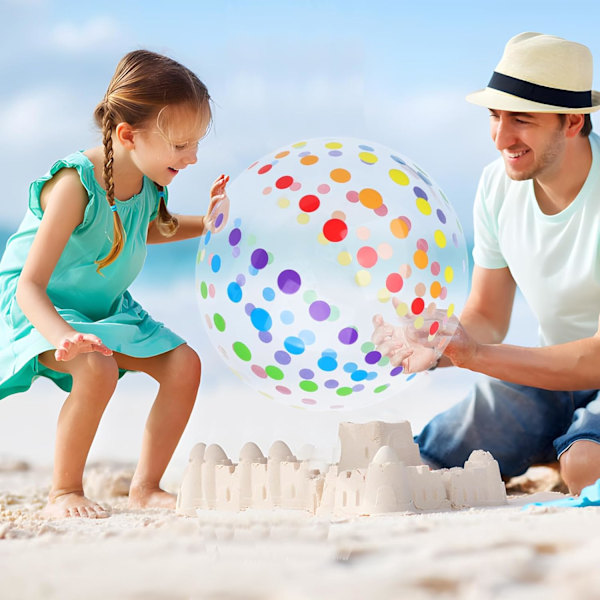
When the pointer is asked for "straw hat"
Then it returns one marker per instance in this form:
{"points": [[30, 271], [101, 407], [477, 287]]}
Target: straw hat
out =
{"points": [[541, 73]]}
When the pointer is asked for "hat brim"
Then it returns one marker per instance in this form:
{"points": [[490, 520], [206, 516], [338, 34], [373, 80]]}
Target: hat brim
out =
{"points": [[497, 100]]}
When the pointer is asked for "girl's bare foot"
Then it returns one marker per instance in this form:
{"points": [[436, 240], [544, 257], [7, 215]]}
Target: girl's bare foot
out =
{"points": [[150, 497], [73, 504]]}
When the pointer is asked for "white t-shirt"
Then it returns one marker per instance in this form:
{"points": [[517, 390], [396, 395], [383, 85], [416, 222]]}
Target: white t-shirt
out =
{"points": [[554, 259]]}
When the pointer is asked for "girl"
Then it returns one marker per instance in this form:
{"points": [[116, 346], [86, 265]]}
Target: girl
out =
{"points": [[65, 312]]}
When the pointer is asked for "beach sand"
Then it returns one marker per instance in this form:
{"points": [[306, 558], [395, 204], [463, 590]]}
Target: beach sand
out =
{"points": [[498, 552]]}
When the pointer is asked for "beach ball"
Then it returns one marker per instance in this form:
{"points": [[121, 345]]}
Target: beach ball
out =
{"points": [[322, 235]]}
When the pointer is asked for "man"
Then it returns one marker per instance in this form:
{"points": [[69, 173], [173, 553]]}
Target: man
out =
{"points": [[537, 226]]}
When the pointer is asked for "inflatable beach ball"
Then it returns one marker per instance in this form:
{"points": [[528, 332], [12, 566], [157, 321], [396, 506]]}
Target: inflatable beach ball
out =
{"points": [[322, 235]]}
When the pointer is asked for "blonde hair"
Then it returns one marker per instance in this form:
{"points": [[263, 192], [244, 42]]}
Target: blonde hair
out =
{"points": [[143, 86]]}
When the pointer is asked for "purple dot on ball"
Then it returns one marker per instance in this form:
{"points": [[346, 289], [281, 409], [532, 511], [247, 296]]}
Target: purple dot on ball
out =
{"points": [[306, 373], [259, 258], [283, 358], [241, 279], [249, 308], [358, 388], [265, 336], [331, 384], [319, 310], [235, 252], [419, 192], [396, 371], [235, 236], [219, 220], [373, 357], [441, 216], [455, 240], [289, 281], [348, 335], [335, 153]]}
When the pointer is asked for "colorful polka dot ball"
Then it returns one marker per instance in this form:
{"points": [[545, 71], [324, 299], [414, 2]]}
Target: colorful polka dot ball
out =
{"points": [[322, 235]]}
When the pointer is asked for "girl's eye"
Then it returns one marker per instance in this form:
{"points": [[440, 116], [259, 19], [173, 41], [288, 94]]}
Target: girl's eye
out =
{"points": [[180, 146]]}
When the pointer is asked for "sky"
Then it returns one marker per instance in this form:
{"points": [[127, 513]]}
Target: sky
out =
{"points": [[278, 71]]}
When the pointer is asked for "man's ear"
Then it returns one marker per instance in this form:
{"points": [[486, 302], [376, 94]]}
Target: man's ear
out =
{"points": [[125, 134], [574, 124]]}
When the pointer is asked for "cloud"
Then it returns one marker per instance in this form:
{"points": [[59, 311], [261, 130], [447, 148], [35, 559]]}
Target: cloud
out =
{"points": [[40, 115], [84, 37]]}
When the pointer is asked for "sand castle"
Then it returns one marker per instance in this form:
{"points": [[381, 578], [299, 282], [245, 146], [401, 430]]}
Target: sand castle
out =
{"points": [[379, 471]]}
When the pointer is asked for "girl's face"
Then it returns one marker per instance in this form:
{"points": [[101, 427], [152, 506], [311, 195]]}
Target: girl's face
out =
{"points": [[160, 153]]}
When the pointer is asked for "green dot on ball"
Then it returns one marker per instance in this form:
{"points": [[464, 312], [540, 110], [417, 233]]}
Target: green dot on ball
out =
{"points": [[242, 351]]}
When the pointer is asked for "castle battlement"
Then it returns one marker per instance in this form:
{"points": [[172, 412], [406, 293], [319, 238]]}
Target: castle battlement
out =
{"points": [[379, 471]]}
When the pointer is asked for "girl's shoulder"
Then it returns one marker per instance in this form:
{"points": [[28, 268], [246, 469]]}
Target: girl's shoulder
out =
{"points": [[75, 166]]}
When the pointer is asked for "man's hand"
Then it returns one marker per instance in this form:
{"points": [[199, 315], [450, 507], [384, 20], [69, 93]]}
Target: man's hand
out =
{"points": [[419, 349], [218, 209]]}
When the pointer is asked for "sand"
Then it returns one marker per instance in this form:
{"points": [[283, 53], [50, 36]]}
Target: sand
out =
{"points": [[499, 552]]}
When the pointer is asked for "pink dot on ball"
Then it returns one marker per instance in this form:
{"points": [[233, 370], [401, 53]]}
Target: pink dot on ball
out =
{"points": [[323, 188], [259, 371], [394, 282], [367, 257], [352, 196], [211, 290], [267, 190], [309, 401], [295, 186], [422, 245], [283, 390], [381, 211], [435, 268]]}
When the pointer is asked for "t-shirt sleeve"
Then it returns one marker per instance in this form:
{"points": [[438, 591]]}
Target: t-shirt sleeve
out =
{"points": [[486, 248]]}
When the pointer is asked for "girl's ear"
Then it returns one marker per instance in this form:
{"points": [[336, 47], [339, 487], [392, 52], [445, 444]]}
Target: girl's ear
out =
{"points": [[125, 134]]}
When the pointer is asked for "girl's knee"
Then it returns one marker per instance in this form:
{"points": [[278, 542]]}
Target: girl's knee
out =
{"points": [[185, 365], [96, 369], [580, 465]]}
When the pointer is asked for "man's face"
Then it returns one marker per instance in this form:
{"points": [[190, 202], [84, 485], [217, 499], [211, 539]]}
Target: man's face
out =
{"points": [[531, 144]]}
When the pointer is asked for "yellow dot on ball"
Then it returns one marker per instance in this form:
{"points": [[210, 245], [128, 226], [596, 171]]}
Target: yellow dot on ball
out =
{"points": [[399, 177], [344, 258], [303, 218], [368, 157], [333, 145], [449, 274], [440, 238], [322, 239], [363, 278], [283, 202], [299, 145], [383, 295], [418, 322], [450, 310], [402, 309], [423, 206]]}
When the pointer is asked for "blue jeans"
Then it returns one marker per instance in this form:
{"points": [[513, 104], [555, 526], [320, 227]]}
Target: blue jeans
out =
{"points": [[519, 425]]}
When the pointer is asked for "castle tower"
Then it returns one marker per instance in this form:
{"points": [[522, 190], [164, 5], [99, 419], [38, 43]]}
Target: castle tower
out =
{"points": [[361, 441]]}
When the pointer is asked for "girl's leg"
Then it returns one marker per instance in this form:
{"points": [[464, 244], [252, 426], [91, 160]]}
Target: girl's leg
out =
{"points": [[94, 379], [178, 373]]}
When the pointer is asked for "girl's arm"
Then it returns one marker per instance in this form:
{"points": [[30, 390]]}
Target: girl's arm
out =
{"points": [[63, 202], [192, 226]]}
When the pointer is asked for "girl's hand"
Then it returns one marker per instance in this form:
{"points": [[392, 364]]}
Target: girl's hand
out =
{"points": [[80, 343], [218, 209]]}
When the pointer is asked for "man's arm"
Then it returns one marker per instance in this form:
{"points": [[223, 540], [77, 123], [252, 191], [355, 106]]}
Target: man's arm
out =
{"points": [[487, 312]]}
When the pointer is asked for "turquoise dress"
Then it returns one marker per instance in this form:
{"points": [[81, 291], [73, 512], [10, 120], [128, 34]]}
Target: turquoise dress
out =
{"points": [[90, 302]]}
